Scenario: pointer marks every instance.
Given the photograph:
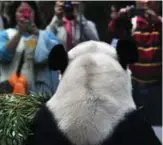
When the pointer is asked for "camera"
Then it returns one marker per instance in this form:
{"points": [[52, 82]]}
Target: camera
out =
{"points": [[137, 12], [68, 7]]}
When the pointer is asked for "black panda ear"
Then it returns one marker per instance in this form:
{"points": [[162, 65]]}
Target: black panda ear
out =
{"points": [[127, 52], [58, 58]]}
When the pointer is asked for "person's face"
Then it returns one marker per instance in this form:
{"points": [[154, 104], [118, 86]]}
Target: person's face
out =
{"points": [[59, 8], [24, 13], [69, 15], [113, 12]]}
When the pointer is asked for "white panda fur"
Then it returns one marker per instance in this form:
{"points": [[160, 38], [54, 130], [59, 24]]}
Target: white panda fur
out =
{"points": [[93, 96], [93, 85]]}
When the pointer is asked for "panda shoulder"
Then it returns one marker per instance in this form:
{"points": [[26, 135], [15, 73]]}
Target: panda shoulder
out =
{"points": [[43, 115]]}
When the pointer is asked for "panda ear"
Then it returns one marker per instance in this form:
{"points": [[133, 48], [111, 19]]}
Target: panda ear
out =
{"points": [[127, 52], [58, 58]]}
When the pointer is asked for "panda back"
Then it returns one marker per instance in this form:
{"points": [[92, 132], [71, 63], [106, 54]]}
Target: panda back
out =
{"points": [[45, 130], [131, 130]]}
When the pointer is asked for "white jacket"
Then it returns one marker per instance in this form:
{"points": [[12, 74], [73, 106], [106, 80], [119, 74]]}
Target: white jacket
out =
{"points": [[83, 30]]}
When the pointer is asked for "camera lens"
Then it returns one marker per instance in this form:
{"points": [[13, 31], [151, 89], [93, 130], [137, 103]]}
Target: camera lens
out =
{"points": [[68, 7]]}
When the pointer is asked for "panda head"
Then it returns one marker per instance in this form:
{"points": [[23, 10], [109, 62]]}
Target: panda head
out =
{"points": [[92, 55], [126, 53], [95, 91]]}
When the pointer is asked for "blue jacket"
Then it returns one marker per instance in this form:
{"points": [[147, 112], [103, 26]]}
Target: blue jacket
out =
{"points": [[46, 81]]}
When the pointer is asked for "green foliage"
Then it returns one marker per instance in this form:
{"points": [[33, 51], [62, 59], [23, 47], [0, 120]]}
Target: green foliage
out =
{"points": [[16, 115]]}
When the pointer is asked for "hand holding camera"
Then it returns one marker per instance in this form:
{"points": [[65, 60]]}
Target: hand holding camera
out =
{"points": [[132, 12]]}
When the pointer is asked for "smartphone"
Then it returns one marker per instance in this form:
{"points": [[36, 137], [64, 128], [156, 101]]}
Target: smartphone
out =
{"points": [[29, 26], [137, 12]]}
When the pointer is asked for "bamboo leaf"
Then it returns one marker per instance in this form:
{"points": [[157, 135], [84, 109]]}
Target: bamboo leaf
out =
{"points": [[16, 115]]}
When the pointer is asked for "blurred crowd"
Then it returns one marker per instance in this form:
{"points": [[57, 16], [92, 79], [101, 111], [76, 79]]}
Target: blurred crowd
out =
{"points": [[23, 33]]}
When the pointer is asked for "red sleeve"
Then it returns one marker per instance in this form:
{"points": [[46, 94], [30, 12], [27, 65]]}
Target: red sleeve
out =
{"points": [[113, 23], [158, 24], [111, 26]]}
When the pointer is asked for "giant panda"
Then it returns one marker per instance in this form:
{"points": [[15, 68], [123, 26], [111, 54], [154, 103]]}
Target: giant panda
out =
{"points": [[93, 104]]}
